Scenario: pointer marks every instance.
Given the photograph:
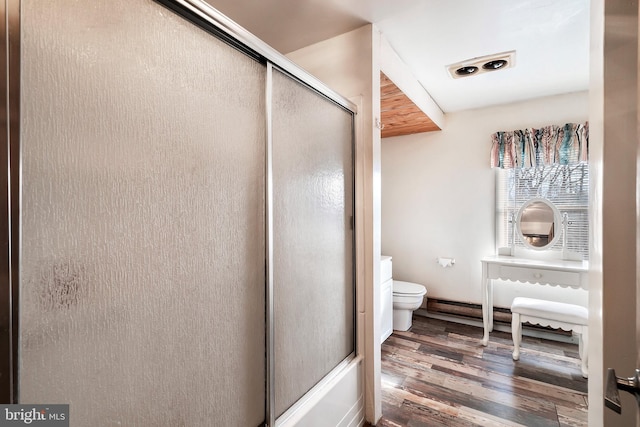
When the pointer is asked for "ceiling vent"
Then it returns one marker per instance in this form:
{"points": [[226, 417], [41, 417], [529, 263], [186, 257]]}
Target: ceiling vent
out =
{"points": [[483, 64]]}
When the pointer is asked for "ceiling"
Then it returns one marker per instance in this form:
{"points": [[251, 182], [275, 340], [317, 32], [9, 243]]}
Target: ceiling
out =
{"points": [[550, 37]]}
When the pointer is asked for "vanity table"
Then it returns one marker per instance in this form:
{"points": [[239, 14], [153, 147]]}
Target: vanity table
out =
{"points": [[562, 273]]}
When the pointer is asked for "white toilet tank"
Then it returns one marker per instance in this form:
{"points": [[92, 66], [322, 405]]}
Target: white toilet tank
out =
{"points": [[385, 268], [386, 297]]}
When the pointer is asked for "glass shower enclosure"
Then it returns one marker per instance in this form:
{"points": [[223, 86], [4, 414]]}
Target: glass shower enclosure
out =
{"points": [[180, 225]]}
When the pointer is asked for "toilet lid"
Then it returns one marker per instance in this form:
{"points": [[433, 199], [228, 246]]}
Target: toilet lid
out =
{"points": [[408, 288]]}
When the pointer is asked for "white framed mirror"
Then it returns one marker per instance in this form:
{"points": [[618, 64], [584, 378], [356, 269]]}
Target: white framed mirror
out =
{"points": [[539, 224]]}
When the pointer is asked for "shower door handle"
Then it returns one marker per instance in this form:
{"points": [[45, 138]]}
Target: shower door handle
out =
{"points": [[614, 383]]}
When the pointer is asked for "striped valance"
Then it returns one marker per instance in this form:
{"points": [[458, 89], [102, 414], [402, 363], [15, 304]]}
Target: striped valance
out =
{"points": [[564, 145]]}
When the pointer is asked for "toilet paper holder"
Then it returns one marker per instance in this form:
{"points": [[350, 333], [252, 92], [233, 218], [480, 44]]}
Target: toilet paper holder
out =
{"points": [[445, 262]]}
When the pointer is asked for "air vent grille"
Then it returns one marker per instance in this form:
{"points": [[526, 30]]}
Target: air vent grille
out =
{"points": [[482, 64]]}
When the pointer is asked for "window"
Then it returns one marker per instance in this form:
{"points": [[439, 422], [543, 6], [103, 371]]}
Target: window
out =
{"points": [[566, 186]]}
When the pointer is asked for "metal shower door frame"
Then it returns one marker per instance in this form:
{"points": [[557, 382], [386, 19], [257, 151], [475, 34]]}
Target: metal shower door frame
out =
{"points": [[10, 198]]}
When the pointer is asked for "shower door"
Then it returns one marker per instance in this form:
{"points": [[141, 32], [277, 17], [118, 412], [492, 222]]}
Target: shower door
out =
{"points": [[313, 239], [142, 220], [181, 218]]}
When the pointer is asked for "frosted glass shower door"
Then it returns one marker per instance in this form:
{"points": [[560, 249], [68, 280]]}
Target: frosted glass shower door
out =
{"points": [[142, 222], [313, 287]]}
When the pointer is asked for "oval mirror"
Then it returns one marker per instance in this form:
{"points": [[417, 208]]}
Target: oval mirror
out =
{"points": [[538, 224]]}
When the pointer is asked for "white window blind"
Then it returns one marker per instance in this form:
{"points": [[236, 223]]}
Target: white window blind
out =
{"points": [[566, 186]]}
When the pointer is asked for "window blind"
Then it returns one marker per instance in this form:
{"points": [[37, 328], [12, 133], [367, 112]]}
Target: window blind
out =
{"points": [[566, 186]]}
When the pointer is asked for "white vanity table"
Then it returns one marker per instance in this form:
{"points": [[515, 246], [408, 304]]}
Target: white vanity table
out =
{"points": [[571, 274]]}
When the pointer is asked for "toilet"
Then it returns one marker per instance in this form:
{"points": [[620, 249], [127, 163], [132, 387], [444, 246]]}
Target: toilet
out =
{"points": [[407, 297]]}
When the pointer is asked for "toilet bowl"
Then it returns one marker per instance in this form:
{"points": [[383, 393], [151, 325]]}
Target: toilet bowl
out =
{"points": [[407, 297]]}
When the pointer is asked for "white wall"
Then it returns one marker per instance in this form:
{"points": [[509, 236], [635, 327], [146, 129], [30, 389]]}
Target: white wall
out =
{"points": [[438, 198]]}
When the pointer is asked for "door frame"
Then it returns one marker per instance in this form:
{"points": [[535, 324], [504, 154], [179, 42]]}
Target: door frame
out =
{"points": [[613, 121]]}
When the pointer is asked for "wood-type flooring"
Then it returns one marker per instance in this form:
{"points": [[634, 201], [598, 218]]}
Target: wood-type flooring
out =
{"points": [[439, 374]]}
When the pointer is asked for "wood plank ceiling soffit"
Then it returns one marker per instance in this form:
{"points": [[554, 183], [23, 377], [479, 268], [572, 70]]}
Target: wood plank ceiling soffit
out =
{"points": [[398, 114]]}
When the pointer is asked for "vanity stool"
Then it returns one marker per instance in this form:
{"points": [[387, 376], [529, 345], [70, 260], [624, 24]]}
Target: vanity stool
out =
{"points": [[568, 317]]}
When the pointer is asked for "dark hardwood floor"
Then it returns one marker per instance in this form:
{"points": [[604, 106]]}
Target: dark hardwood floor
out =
{"points": [[438, 374]]}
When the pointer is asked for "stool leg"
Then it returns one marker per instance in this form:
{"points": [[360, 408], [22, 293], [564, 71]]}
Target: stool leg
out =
{"points": [[516, 334], [584, 351], [580, 346]]}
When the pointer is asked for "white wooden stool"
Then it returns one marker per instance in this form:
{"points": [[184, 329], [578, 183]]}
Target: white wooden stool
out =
{"points": [[568, 317]]}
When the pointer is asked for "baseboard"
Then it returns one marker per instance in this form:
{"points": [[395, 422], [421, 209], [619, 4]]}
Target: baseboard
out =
{"points": [[465, 310], [471, 314]]}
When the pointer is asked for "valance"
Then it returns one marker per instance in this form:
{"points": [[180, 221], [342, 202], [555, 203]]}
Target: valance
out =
{"points": [[564, 145]]}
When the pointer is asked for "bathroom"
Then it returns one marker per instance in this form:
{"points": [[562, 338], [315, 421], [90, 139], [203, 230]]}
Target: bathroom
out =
{"points": [[445, 208], [438, 190], [431, 195]]}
